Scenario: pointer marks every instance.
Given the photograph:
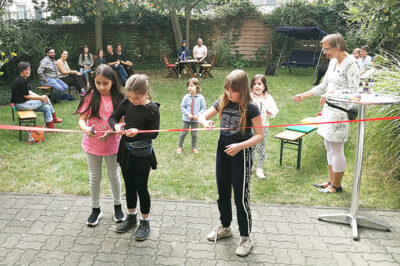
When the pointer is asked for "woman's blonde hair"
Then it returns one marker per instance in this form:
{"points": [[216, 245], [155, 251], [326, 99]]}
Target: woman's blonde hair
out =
{"points": [[138, 84], [195, 82], [238, 81], [335, 41]]}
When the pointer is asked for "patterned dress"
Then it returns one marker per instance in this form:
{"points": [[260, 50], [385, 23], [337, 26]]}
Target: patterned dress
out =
{"points": [[339, 78]]}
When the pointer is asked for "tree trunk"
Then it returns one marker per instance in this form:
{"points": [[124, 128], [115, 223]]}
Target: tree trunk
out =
{"points": [[98, 26], [175, 26], [98, 32], [188, 11]]}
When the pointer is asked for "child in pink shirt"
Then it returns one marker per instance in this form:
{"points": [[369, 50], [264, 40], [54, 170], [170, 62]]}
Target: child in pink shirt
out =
{"points": [[99, 141]]}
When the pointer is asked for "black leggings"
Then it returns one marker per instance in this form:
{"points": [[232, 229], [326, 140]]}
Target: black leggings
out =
{"points": [[75, 80], [136, 177]]}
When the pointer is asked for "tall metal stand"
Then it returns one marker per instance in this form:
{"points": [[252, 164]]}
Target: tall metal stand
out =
{"points": [[352, 218]]}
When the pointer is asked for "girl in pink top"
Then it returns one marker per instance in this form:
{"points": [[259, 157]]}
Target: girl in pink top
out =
{"points": [[103, 96]]}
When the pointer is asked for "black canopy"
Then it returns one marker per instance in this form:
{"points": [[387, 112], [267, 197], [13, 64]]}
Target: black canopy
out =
{"points": [[302, 33]]}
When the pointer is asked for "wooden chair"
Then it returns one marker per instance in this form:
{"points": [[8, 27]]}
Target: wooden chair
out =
{"points": [[207, 67], [172, 68]]}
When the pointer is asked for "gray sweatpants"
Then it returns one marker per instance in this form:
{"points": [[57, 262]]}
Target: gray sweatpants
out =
{"points": [[186, 125], [95, 174]]}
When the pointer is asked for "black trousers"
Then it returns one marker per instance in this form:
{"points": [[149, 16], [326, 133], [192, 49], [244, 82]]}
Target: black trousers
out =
{"points": [[129, 70], [194, 68], [75, 80], [136, 176], [234, 172]]}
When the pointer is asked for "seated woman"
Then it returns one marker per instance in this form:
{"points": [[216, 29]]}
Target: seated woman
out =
{"points": [[86, 63], [100, 59], [26, 100], [71, 77], [183, 54]]}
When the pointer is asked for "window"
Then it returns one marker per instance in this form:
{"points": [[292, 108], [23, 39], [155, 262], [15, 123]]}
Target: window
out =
{"points": [[21, 12], [38, 14]]}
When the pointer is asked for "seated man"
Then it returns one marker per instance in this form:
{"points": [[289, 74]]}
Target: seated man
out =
{"points": [[183, 54], [113, 61], [47, 72], [200, 54], [127, 65], [366, 60]]}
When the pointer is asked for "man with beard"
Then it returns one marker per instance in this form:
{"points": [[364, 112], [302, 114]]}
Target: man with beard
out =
{"points": [[47, 72]]}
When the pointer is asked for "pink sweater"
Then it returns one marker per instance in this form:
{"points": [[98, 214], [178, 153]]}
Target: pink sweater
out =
{"points": [[93, 145]]}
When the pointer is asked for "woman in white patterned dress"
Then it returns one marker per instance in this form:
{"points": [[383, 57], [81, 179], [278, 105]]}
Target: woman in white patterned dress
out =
{"points": [[342, 76]]}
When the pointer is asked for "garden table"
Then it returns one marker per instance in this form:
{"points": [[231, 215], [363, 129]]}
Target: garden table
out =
{"points": [[352, 218], [188, 66]]}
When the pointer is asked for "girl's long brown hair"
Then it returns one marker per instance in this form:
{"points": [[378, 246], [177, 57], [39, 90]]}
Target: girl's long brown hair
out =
{"points": [[116, 93], [238, 81]]}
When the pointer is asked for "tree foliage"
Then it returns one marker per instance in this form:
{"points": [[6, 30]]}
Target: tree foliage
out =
{"points": [[377, 21]]}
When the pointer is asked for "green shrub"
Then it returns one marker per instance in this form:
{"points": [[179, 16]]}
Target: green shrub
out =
{"points": [[383, 137], [223, 49]]}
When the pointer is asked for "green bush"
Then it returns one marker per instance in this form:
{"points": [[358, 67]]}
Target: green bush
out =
{"points": [[28, 39], [223, 49], [383, 137]]}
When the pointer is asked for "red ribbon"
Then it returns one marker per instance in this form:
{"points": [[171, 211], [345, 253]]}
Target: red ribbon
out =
{"points": [[10, 127]]}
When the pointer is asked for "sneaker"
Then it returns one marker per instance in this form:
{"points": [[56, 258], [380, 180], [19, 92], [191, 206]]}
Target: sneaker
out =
{"points": [[244, 246], [128, 224], [83, 92], [143, 230], [94, 217], [260, 173], [219, 232], [179, 150], [195, 150], [118, 214], [179, 75]]}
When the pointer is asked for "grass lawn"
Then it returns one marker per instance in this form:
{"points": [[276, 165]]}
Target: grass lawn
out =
{"points": [[58, 165]]}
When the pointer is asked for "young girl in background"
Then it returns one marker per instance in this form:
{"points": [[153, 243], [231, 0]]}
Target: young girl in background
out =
{"points": [[233, 166], [103, 96], [193, 104], [266, 104], [136, 155]]}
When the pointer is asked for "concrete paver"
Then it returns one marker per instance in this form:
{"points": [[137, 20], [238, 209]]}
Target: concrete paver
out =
{"points": [[38, 229]]}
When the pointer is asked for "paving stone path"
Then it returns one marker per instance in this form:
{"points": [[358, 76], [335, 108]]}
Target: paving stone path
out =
{"points": [[38, 229]]}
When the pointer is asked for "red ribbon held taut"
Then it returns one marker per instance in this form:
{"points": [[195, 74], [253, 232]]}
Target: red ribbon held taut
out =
{"points": [[11, 127]]}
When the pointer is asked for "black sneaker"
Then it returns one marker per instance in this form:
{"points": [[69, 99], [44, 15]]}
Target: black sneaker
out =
{"points": [[126, 225], [118, 214], [94, 217], [143, 231]]}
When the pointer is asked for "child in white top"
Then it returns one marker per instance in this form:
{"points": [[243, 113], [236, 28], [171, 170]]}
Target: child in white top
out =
{"points": [[268, 109]]}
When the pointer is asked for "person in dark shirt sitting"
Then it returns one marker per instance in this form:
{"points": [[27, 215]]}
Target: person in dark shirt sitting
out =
{"points": [[183, 54], [99, 59], [127, 65], [113, 61], [25, 100]]}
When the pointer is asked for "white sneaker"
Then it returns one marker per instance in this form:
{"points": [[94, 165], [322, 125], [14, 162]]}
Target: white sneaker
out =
{"points": [[260, 173], [219, 232], [244, 246]]}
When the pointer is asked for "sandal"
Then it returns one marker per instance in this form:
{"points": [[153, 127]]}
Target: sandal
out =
{"points": [[323, 185], [326, 190]]}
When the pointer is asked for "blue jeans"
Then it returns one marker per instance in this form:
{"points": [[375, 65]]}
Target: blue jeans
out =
{"points": [[122, 73], [38, 105], [85, 72], [57, 84]]}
